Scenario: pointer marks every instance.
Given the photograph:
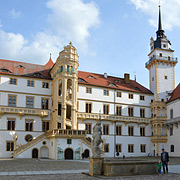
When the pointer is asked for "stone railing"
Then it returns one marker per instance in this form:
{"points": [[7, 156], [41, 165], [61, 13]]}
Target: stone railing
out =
{"points": [[68, 132], [23, 111], [125, 119], [172, 121], [159, 138], [24, 147]]}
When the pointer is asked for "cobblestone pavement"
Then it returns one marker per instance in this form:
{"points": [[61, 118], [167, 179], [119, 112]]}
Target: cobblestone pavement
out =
{"points": [[68, 170], [85, 177]]}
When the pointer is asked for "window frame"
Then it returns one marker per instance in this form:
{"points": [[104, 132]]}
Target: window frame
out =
{"points": [[119, 147], [131, 96], [106, 145], [130, 148], [118, 133], [88, 128], [88, 90], [106, 92], [120, 94], [142, 113], [130, 130], [45, 122], [106, 131], [106, 109], [131, 111], [118, 109], [46, 83], [88, 107], [29, 80], [12, 78], [142, 98], [31, 97], [11, 149], [11, 119], [29, 128], [12, 100], [42, 98], [143, 132], [141, 148]]}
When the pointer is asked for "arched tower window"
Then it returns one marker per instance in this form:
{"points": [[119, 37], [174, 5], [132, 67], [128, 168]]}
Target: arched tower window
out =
{"points": [[172, 148]]}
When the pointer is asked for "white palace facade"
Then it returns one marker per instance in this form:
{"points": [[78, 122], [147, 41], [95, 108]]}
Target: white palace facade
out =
{"points": [[48, 111]]}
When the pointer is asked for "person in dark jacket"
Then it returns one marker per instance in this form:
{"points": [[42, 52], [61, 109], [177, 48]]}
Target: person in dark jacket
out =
{"points": [[165, 160]]}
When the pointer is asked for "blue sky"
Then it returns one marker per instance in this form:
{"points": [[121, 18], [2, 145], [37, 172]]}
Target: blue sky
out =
{"points": [[111, 36]]}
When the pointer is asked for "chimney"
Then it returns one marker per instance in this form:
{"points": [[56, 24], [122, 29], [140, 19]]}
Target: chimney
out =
{"points": [[105, 75], [126, 78]]}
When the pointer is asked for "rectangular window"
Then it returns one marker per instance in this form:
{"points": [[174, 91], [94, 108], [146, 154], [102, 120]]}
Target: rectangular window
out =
{"points": [[131, 96], [142, 131], [106, 92], [118, 130], [130, 148], [44, 103], [171, 131], [142, 98], [59, 109], [131, 130], [143, 148], [160, 54], [171, 113], [59, 125], [88, 90], [142, 113], [29, 124], [152, 78], [30, 83], [118, 110], [12, 100], [131, 111], [30, 102], [11, 124], [106, 109], [165, 77], [88, 128], [88, 107], [45, 126], [45, 85], [118, 94], [106, 129], [9, 146], [106, 148], [13, 81], [118, 147], [69, 141]]}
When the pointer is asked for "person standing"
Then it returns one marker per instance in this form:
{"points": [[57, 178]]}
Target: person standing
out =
{"points": [[165, 160]]}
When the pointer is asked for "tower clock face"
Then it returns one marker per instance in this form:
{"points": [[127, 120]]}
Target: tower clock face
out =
{"points": [[28, 138]]}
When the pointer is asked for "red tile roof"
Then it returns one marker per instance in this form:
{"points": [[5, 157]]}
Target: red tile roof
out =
{"points": [[118, 83], [175, 94], [42, 71], [24, 69]]}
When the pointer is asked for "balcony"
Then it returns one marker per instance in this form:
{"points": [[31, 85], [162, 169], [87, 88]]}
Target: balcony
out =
{"points": [[161, 58], [172, 121], [23, 111], [68, 133], [159, 139], [125, 119]]}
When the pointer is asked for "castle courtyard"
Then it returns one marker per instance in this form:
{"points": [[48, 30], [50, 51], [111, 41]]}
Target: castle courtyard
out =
{"points": [[46, 169]]}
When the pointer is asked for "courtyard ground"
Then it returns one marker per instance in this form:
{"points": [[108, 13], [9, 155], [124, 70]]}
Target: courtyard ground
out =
{"points": [[46, 169]]}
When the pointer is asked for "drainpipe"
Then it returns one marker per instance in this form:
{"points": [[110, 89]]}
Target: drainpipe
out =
{"points": [[114, 124]]}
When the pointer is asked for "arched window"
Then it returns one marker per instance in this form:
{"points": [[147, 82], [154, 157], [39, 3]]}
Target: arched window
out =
{"points": [[172, 148]]}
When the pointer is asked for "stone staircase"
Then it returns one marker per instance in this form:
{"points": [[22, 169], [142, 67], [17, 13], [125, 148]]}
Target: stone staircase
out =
{"points": [[30, 144], [87, 141]]}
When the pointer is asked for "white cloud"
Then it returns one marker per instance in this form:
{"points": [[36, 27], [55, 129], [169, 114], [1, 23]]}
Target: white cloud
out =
{"points": [[73, 19], [70, 20], [15, 14], [170, 11]]}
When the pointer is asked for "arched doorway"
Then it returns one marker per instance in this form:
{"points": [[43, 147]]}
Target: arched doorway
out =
{"points": [[68, 153], [44, 152], [86, 153], [35, 153]]}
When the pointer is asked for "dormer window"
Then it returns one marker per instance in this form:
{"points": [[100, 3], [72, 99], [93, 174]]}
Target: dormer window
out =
{"points": [[5, 70], [38, 75], [21, 66], [113, 85], [81, 80], [117, 81], [137, 89], [92, 77]]}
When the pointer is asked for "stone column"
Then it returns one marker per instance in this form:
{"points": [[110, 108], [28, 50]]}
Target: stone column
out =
{"points": [[95, 166]]}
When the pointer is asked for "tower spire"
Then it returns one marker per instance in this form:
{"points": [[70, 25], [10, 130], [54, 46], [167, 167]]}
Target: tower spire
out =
{"points": [[160, 31]]}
